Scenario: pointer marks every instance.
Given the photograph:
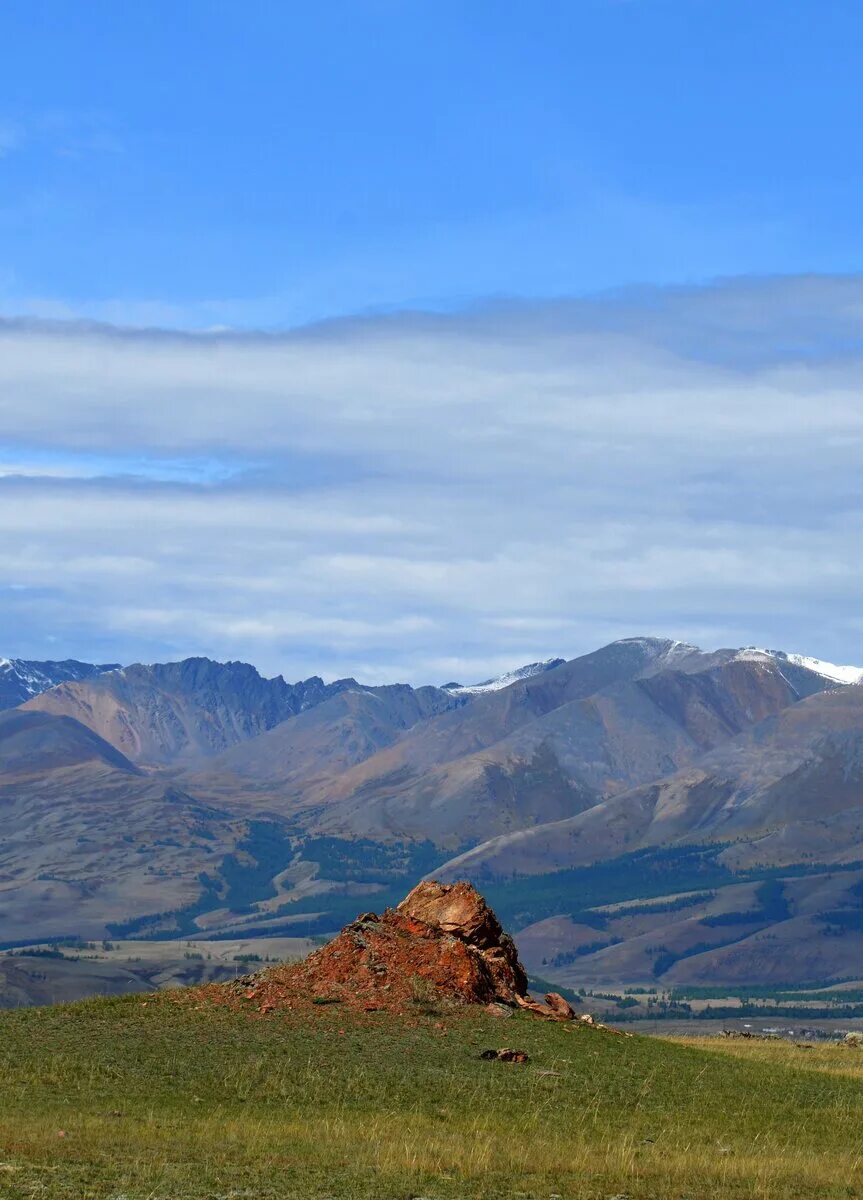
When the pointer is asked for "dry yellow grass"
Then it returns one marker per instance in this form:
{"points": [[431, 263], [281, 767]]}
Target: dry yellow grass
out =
{"points": [[829, 1057]]}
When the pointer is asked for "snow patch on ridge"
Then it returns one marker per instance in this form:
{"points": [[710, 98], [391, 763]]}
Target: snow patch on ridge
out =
{"points": [[21, 679], [502, 681], [827, 670]]}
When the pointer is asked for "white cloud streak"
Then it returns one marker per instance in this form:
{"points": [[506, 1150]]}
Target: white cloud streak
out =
{"points": [[399, 497]]}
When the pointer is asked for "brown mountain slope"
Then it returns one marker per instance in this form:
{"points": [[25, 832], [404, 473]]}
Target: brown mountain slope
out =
{"points": [[562, 751], [791, 787], [331, 737], [32, 743], [793, 930], [641, 748], [745, 867], [83, 846], [491, 716], [183, 712], [84, 837], [401, 763]]}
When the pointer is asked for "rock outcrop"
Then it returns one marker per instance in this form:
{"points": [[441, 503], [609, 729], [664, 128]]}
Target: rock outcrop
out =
{"points": [[457, 911], [442, 943]]}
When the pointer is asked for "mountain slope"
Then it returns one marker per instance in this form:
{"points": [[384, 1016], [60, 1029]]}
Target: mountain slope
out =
{"points": [[794, 777], [317, 745], [92, 846], [21, 679], [631, 775], [558, 743], [746, 866], [770, 931], [184, 712], [87, 839], [32, 743], [412, 767], [831, 671], [502, 681]]}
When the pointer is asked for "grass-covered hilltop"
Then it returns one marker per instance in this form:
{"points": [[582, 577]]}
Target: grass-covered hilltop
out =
{"points": [[368, 1070], [151, 1099]]}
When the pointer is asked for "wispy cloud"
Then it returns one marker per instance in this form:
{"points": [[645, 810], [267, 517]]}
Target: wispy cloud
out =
{"points": [[398, 496]]}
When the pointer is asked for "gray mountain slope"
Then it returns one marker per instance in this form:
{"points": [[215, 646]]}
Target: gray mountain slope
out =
{"points": [[21, 679]]}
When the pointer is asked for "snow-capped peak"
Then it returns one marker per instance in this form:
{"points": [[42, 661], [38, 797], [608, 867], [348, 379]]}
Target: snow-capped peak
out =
{"points": [[827, 670], [502, 681]]}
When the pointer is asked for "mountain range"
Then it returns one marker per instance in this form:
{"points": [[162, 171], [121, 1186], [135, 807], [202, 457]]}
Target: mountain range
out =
{"points": [[646, 812]]}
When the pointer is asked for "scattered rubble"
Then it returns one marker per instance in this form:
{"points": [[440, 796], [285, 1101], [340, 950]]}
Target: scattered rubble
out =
{"points": [[555, 1007], [587, 1019]]}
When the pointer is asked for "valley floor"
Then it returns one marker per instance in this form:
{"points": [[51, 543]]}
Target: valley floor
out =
{"points": [[138, 1097], [59, 973]]}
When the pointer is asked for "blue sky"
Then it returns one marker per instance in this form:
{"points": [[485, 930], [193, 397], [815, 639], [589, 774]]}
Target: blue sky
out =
{"points": [[265, 163], [588, 275]]}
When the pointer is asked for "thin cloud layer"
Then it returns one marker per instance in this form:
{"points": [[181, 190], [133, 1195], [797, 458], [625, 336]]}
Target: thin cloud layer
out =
{"points": [[424, 497]]}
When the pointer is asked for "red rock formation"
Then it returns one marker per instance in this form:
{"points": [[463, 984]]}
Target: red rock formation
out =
{"points": [[459, 911], [442, 943], [455, 908]]}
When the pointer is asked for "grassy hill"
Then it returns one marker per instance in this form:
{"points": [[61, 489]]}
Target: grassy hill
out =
{"points": [[138, 1097]]}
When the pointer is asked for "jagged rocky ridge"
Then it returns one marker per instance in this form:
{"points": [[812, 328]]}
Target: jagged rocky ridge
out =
{"points": [[183, 713], [21, 679]]}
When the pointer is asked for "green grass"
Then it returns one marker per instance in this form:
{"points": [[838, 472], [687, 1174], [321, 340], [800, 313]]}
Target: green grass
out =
{"points": [[161, 1102]]}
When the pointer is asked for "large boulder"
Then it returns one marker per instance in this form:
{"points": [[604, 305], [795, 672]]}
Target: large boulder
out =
{"points": [[458, 910], [455, 908]]}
